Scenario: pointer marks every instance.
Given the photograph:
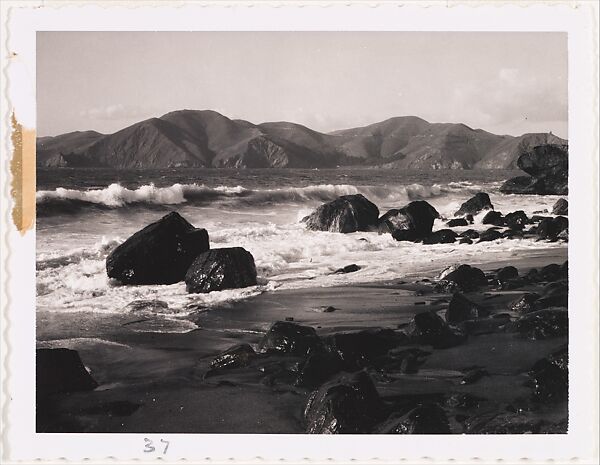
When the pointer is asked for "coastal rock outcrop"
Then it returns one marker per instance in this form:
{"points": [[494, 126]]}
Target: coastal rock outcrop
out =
{"points": [[551, 228], [346, 214], [429, 328], [161, 253], [409, 223], [291, 338], [548, 169], [561, 207], [516, 220], [461, 309], [424, 419], [479, 202], [550, 377], [493, 217], [219, 269], [465, 277], [347, 405], [61, 371]]}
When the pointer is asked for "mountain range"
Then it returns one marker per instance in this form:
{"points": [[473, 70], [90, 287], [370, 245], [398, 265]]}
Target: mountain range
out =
{"points": [[205, 138]]}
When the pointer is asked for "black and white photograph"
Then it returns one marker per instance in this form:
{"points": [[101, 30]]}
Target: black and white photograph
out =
{"points": [[239, 231], [279, 232]]}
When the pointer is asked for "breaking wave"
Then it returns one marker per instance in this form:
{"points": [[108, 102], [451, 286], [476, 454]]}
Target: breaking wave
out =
{"points": [[65, 201]]}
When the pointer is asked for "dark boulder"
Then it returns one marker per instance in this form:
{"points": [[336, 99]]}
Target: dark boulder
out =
{"points": [[346, 214], [470, 233], [61, 371], [550, 377], [524, 304], [410, 223], [357, 348], [465, 240], [461, 309], [161, 253], [457, 222], [481, 201], [424, 419], [561, 207], [490, 235], [548, 167], [554, 294], [550, 228], [238, 356], [291, 338], [493, 217], [542, 324], [347, 269], [512, 234], [430, 329], [551, 272], [467, 278], [506, 273], [442, 236], [318, 367], [470, 218], [218, 269], [516, 220], [349, 404]]}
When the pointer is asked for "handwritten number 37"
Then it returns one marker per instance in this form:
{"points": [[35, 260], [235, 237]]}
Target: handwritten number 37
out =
{"points": [[149, 446]]}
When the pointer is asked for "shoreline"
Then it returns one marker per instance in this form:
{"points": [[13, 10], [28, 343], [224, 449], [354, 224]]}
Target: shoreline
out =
{"points": [[155, 381]]}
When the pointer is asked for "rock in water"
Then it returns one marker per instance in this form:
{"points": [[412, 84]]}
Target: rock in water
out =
{"points": [[467, 278], [490, 235], [61, 371], [424, 419], [542, 324], [442, 236], [550, 377], [429, 328], [525, 303], [237, 356], [410, 223], [457, 222], [291, 338], [551, 228], [461, 309], [219, 269], [548, 167], [481, 201], [561, 207], [347, 405], [356, 348], [346, 214], [493, 217], [516, 220], [160, 253]]}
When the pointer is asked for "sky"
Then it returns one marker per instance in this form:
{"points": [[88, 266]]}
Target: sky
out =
{"points": [[505, 83]]}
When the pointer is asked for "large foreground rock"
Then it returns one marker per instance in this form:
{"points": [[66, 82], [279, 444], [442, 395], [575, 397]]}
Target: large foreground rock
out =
{"points": [[550, 377], [409, 223], [160, 253], [479, 202], [346, 214], [347, 405], [219, 269], [548, 169], [61, 371]]}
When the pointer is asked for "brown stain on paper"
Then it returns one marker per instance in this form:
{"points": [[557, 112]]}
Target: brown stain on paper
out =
{"points": [[22, 167]]}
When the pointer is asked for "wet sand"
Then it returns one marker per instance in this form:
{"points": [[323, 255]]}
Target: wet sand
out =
{"points": [[154, 382]]}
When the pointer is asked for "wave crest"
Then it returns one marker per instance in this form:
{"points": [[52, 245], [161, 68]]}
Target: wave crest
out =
{"points": [[64, 201]]}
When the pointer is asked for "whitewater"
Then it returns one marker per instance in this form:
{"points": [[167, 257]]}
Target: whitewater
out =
{"points": [[80, 222]]}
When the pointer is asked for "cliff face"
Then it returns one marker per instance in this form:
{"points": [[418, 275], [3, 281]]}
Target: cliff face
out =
{"points": [[189, 138]]}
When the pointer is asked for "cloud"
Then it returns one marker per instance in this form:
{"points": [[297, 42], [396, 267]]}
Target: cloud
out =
{"points": [[116, 112], [512, 97]]}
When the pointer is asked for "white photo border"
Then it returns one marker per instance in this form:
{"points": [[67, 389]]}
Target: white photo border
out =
{"points": [[576, 19]]}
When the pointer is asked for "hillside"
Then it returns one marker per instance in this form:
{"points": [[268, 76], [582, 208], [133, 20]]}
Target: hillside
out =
{"points": [[191, 138]]}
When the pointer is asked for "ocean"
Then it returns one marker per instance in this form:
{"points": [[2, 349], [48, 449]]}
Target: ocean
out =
{"points": [[83, 214]]}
